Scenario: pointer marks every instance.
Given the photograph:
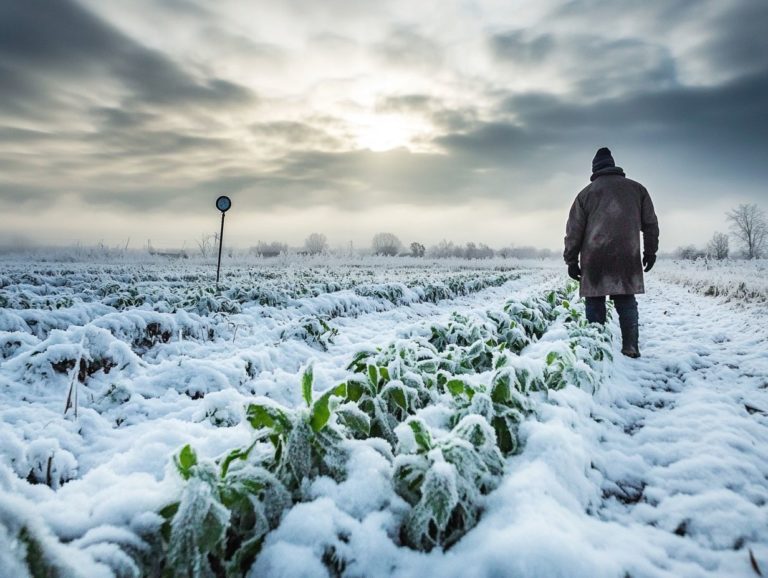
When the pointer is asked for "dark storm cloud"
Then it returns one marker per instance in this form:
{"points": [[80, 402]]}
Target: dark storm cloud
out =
{"points": [[725, 123], [120, 118], [140, 135], [595, 66], [740, 42], [729, 35], [491, 144], [61, 41], [15, 87]]}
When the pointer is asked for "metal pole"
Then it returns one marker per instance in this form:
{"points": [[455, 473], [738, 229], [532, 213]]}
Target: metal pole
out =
{"points": [[221, 244]]}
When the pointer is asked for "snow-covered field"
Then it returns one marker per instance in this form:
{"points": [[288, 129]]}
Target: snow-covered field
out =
{"points": [[377, 418], [733, 280]]}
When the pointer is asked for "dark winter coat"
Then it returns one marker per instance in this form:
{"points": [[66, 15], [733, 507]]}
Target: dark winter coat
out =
{"points": [[604, 227]]}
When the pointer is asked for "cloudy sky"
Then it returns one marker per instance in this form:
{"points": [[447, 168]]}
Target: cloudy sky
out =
{"points": [[459, 119]]}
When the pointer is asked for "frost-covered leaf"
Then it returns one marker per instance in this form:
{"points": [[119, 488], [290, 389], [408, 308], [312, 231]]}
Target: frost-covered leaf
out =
{"points": [[501, 390], [236, 454], [185, 461], [455, 387], [396, 392], [551, 357], [197, 530], [426, 523], [506, 433], [421, 434], [373, 376], [355, 390], [321, 411], [382, 423], [297, 455], [306, 385], [355, 419], [268, 415]]}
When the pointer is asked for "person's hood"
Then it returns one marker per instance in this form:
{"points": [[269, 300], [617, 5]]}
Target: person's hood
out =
{"points": [[608, 171]]}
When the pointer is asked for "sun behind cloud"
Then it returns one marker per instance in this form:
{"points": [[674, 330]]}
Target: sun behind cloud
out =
{"points": [[383, 132]]}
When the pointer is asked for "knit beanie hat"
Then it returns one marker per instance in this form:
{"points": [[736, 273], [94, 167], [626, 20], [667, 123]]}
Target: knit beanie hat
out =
{"points": [[602, 160]]}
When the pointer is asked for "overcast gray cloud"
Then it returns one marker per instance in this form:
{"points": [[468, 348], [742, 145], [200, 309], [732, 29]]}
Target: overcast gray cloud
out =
{"points": [[62, 41], [160, 105]]}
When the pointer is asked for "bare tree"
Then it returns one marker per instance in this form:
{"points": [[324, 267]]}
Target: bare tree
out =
{"points": [[208, 244], [272, 249], [485, 252], [443, 250], [417, 250], [717, 248], [689, 252], [749, 224], [316, 243], [386, 244]]}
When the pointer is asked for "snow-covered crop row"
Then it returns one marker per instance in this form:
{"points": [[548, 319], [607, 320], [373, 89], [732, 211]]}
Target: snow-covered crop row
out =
{"points": [[191, 288], [437, 410]]}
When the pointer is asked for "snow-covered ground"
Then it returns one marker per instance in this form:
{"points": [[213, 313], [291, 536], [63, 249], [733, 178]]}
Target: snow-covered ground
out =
{"points": [[648, 467], [731, 279]]}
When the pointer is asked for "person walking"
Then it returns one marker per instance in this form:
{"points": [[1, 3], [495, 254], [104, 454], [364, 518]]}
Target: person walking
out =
{"points": [[602, 245]]}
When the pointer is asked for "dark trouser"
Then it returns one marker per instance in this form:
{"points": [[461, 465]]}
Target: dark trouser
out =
{"points": [[626, 306]]}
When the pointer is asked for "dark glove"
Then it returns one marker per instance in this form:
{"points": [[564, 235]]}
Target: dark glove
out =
{"points": [[648, 261], [574, 271]]}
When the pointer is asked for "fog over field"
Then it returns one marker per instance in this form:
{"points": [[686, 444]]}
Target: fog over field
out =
{"points": [[472, 120]]}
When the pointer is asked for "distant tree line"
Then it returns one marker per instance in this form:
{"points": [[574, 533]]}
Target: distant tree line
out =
{"points": [[748, 224], [389, 245]]}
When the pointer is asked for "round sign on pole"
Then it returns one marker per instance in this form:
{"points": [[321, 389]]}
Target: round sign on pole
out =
{"points": [[223, 203]]}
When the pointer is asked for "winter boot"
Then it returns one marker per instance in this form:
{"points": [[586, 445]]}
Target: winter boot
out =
{"points": [[629, 337]]}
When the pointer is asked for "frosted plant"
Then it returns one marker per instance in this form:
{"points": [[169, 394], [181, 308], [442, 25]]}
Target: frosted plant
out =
{"points": [[385, 401], [306, 441], [393, 292], [445, 480], [427, 523], [509, 331], [316, 331], [256, 500], [198, 530], [459, 330], [578, 360], [504, 417], [399, 357], [594, 339], [219, 523], [529, 316]]}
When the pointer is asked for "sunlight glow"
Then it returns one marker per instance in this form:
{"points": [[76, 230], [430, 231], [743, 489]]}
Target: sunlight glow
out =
{"points": [[383, 132]]}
